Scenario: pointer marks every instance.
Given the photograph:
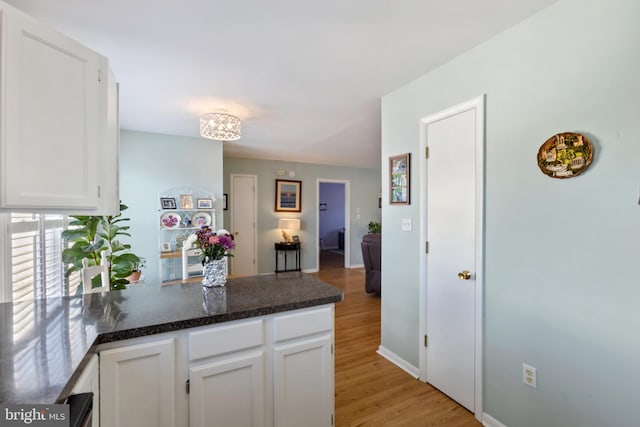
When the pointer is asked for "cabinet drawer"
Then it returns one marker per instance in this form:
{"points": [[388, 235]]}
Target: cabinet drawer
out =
{"points": [[225, 339], [295, 325]]}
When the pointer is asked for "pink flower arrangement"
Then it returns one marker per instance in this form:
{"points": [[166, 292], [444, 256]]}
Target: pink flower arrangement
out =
{"points": [[214, 245]]}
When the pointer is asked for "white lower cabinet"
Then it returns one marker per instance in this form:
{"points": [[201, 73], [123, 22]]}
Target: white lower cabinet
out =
{"points": [[137, 385], [270, 371], [303, 368], [228, 392], [89, 382], [303, 396]]}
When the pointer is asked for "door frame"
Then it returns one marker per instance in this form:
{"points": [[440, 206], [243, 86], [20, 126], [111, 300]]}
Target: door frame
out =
{"points": [[347, 215], [255, 213], [477, 104]]}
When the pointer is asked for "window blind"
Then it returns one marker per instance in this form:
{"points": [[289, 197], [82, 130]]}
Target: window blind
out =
{"points": [[36, 257]]}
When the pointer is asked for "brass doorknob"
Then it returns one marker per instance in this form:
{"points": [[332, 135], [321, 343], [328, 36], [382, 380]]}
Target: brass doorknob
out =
{"points": [[464, 275]]}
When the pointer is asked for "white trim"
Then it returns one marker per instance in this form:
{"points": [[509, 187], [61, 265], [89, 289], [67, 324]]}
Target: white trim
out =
{"points": [[356, 266], [255, 212], [347, 222], [6, 287], [478, 104], [489, 421], [398, 361], [310, 270]]}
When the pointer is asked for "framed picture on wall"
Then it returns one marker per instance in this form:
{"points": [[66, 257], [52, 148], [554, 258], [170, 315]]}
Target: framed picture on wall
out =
{"points": [[288, 195], [323, 206], [400, 179]]}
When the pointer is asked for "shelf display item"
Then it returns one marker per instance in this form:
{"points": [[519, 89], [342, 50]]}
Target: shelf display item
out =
{"points": [[170, 220], [200, 218]]}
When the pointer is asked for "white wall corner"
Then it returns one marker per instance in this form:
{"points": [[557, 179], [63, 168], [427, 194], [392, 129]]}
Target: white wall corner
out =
{"points": [[398, 361], [489, 421]]}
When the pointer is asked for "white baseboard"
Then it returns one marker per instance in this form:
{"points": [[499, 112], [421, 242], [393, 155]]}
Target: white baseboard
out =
{"points": [[310, 270], [489, 421], [398, 361], [356, 266]]}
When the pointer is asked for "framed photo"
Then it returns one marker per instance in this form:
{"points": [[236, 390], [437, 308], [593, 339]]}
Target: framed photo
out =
{"points": [[225, 201], [166, 247], [186, 201], [296, 239], [168, 202], [205, 204], [400, 179], [323, 206], [288, 195]]}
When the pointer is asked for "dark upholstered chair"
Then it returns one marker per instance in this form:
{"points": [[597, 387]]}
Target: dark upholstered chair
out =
{"points": [[371, 255]]}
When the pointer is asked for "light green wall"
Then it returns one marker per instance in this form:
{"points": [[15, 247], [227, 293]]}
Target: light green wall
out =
{"points": [[561, 282], [365, 190], [151, 163]]}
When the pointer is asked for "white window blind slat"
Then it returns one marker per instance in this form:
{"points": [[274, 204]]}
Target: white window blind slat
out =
{"points": [[36, 257]]}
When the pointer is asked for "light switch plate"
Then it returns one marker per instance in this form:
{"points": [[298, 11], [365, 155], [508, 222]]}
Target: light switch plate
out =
{"points": [[406, 224]]}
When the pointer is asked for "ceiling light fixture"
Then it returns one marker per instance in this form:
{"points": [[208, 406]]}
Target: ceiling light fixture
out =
{"points": [[220, 126]]}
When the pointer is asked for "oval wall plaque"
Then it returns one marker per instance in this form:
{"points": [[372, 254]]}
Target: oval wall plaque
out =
{"points": [[565, 155]]}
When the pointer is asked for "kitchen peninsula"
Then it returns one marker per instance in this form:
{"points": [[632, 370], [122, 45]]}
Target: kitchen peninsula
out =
{"points": [[45, 344]]}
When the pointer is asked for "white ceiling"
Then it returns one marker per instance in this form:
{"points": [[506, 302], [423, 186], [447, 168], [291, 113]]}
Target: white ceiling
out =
{"points": [[304, 76]]}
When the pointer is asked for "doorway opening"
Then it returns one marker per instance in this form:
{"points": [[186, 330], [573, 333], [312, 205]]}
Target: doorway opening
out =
{"points": [[332, 224]]}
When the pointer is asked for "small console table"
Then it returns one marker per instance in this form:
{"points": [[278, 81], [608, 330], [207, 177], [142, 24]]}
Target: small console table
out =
{"points": [[286, 247]]}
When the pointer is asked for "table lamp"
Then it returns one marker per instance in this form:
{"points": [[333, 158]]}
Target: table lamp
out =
{"points": [[287, 225]]}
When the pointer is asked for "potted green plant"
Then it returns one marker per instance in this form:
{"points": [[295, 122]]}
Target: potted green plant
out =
{"points": [[90, 236], [137, 267], [374, 227]]}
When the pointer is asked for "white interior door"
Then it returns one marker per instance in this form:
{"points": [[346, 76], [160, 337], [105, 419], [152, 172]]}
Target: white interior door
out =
{"points": [[453, 263], [243, 224]]}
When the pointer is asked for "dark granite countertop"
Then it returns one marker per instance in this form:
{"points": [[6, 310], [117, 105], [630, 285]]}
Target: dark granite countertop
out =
{"points": [[44, 344]]}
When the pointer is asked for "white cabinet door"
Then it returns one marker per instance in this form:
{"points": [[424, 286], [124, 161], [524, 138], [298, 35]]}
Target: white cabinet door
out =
{"points": [[137, 385], [50, 110], [229, 392], [303, 382], [89, 381], [109, 147]]}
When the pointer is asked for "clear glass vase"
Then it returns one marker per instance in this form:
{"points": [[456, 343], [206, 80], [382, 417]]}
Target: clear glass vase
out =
{"points": [[215, 273]]}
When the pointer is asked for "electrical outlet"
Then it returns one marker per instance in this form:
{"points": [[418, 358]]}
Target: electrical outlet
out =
{"points": [[529, 376]]}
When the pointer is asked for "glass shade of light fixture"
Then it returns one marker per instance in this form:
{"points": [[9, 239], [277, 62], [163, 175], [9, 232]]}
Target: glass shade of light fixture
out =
{"points": [[287, 225], [220, 126]]}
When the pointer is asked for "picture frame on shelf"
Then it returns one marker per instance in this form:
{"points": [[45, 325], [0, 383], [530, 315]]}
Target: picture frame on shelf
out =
{"points": [[288, 195], [168, 202], [166, 247], [205, 203], [225, 202], [400, 179], [296, 239], [186, 201]]}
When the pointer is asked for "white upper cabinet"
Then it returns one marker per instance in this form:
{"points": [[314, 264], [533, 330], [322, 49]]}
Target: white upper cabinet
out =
{"points": [[58, 121]]}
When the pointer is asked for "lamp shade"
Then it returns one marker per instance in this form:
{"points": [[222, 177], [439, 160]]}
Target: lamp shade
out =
{"points": [[220, 126], [289, 224]]}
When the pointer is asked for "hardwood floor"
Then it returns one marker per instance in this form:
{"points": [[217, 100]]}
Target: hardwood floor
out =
{"points": [[371, 391]]}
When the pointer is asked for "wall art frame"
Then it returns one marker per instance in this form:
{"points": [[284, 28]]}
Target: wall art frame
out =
{"points": [[400, 179], [288, 196]]}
